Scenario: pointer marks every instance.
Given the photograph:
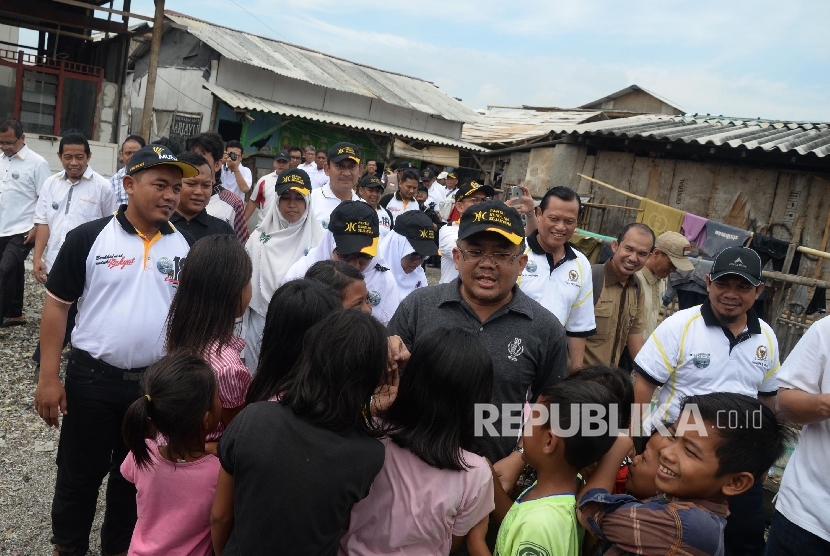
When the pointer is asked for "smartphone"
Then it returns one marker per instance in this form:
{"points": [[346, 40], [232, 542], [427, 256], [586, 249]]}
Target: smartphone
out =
{"points": [[515, 192]]}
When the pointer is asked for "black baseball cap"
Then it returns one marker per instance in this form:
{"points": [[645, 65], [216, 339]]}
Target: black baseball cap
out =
{"points": [[471, 186], [423, 187], [417, 228], [354, 225], [491, 216], [452, 175], [283, 155], [738, 260], [158, 155], [427, 174], [344, 151], [296, 179], [404, 166], [370, 181]]}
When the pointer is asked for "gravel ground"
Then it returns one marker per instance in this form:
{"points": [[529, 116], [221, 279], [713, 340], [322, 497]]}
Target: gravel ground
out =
{"points": [[27, 446]]}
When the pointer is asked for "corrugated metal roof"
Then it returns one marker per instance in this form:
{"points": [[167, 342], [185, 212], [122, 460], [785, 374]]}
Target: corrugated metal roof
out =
{"points": [[630, 89], [805, 139], [512, 126], [326, 71], [238, 99]]}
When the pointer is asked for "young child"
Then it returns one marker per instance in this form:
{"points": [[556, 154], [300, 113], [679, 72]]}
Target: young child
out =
{"points": [[723, 443], [640, 481], [346, 280], [434, 486], [296, 306], [175, 481], [214, 290], [543, 518], [293, 469]]}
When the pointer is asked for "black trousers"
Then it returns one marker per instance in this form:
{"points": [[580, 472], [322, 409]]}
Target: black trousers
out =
{"points": [[12, 255], [744, 533], [70, 324], [90, 447]]}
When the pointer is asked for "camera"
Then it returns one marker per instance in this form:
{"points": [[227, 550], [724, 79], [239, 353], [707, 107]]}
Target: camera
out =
{"points": [[233, 156]]}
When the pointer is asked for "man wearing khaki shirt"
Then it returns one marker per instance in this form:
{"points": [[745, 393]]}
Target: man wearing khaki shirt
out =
{"points": [[618, 307], [671, 252]]}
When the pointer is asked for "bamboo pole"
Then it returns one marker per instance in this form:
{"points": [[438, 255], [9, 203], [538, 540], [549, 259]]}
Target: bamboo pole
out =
{"points": [[813, 252], [612, 188], [596, 205]]}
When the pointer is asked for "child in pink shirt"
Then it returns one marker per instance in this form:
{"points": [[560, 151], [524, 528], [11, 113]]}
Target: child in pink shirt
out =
{"points": [[214, 290], [434, 487], [175, 481]]}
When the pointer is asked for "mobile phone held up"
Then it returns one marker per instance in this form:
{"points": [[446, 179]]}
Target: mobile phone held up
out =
{"points": [[515, 192]]}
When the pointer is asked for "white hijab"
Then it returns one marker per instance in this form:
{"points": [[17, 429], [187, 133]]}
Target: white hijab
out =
{"points": [[383, 295], [393, 248], [274, 246]]}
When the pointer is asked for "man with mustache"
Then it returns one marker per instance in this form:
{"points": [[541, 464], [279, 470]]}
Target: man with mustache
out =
{"points": [[344, 170], [191, 214]]}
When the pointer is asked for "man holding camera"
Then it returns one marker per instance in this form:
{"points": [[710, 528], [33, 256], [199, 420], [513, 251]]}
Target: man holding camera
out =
{"points": [[235, 176]]}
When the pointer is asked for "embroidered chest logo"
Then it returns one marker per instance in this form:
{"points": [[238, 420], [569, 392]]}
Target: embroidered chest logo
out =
{"points": [[701, 360], [325, 223], [761, 357], [531, 267], [113, 261], [573, 278], [264, 237], [373, 298], [170, 269], [515, 349], [761, 352]]}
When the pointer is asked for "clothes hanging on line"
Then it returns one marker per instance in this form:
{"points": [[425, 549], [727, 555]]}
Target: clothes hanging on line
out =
{"points": [[694, 229], [720, 236], [770, 248], [659, 217]]}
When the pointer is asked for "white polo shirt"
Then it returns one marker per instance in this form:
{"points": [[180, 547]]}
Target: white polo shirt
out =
{"points": [[565, 288], [319, 178], [63, 206], [398, 206], [447, 239], [21, 178], [229, 179], [323, 201], [265, 194], [384, 222], [690, 353], [804, 495], [124, 285]]}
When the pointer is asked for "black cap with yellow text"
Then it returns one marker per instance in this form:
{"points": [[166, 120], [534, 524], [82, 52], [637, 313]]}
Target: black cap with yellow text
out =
{"points": [[492, 216], [471, 186], [355, 227], [158, 155], [344, 151], [294, 179], [418, 229], [370, 181], [452, 175]]}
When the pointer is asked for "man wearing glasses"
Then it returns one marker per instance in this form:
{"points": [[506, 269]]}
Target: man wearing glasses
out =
{"points": [[22, 173], [296, 156], [470, 194], [525, 340], [558, 275]]}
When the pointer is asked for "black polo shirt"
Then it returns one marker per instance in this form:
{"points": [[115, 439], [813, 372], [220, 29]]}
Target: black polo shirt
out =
{"points": [[201, 225], [525, 340]]}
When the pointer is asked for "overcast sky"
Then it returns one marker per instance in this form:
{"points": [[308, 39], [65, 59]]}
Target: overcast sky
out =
{"points": [[754, 58]]}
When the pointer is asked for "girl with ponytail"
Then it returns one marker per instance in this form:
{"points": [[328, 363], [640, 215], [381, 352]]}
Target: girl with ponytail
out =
{"points": [[175, 480]]}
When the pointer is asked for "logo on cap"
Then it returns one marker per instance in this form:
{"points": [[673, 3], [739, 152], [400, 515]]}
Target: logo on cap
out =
{"points": [[687, 251], [293, 178], [478, 216], [346, 150], [427, 234], [359, 227], [158, 150], [738, 262]]}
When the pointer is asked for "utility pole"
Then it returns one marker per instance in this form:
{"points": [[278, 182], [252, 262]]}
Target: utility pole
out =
{"points": [[150, 91]]}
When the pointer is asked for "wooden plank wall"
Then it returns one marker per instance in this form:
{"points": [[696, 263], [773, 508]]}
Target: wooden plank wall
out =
{"points": [[767, 201]]}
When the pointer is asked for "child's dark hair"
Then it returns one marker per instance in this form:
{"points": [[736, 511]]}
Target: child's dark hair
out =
{"points": [[295, 307], [617, 381], [448, 373], [751, 436], [344, 359], [335, 274], [178, 390], [205, 305], [581, 450]]}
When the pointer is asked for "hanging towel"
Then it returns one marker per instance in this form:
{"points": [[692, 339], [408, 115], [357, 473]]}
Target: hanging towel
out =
{"points": [[819, 302], [694, 228], [659, 217], [720, 236], [769, 248]]}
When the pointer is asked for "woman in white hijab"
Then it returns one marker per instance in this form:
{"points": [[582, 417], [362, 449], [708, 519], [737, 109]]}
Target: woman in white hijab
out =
{"points": [[352, 237], [405, 248], [284, 235]]}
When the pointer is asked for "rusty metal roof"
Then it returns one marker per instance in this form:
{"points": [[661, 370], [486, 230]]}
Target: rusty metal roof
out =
{"points": [[326, 71], [797, 138], [237, 99], [501, 126]]}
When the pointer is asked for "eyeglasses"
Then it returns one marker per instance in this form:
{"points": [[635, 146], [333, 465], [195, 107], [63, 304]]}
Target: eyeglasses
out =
{"points": [[296, 158], [7, 144], [476, 200], [355, 257], [498, 259]]}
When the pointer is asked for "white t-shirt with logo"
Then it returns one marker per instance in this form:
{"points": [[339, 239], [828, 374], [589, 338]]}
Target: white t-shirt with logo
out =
{"points": [[690, 357], [566, 290], [397, 206], [804, 496], [323, 201]]}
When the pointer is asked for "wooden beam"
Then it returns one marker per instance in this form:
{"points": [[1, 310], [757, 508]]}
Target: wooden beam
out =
{"points": [[46, 12], [612, 188], [381, 152], [152, 69], [793, 279], [102, 9], [16, 23]]}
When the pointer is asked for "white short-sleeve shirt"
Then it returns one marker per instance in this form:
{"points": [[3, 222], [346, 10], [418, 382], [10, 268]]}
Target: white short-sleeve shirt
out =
{"points": [[804, 495], [21, 177], [323, 201], [229, 179], [63, 206], [398, 206], [565, 288], [690, 353], [447, 238]]}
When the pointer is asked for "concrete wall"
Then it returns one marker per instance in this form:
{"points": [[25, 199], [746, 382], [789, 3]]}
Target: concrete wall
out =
{"points": [[762, 200], [105, 125], [516, 169], [178, 90]]}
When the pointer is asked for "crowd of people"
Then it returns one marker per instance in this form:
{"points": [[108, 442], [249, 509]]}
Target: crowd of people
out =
{"points": [[299, 388]]}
